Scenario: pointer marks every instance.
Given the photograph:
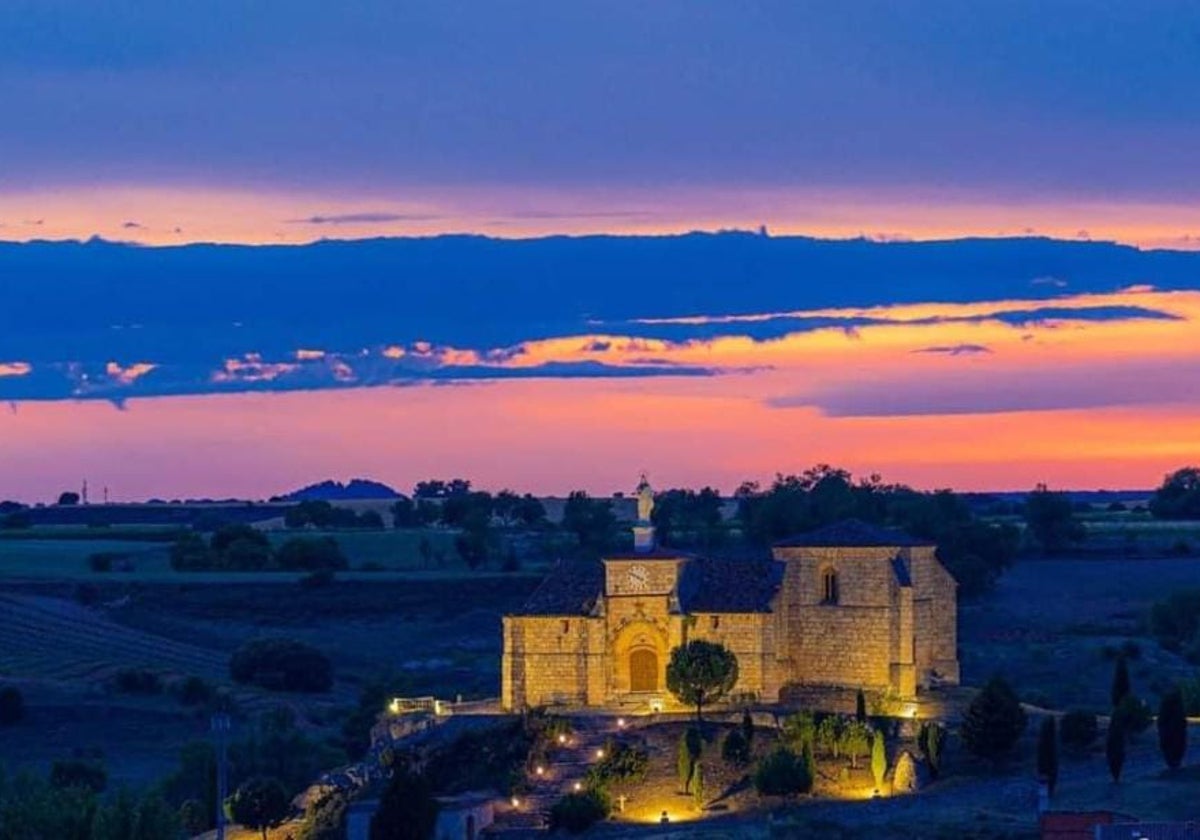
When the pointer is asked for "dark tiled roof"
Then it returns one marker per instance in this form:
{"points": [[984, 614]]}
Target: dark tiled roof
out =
{"points": [[851, 533], [901, 571], [570, 589], [653, 554], [730, 585]]}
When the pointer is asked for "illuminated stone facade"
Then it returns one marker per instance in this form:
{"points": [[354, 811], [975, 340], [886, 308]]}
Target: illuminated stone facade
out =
{"points": [[850, 605]]}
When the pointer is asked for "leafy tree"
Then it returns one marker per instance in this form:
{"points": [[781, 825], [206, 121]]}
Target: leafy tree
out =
{"points": [[1114, 748], [1047, 754], [701, 673], [404, 513], [1121, 685], [68, 498], [689, 518], [931, 741], [1079, 729], [878, 759], [799, 729], [1050, 517], [407, 809], [994, 720], [311, 554], [1179, 495], [1172, 728], [283, 665], [275, 747], [829, 734], [260, 803], [856, 741], [782, 773], [12, 705], [592, 521]]}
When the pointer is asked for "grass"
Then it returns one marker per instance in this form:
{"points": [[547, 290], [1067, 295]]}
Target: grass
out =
{"points": [[394, 549]]}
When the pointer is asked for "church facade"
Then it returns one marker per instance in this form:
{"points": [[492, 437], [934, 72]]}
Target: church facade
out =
{"points": [[850, 605]]}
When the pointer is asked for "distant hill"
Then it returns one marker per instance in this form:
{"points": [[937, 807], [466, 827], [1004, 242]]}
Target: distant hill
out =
{"points": [[331, 491]]}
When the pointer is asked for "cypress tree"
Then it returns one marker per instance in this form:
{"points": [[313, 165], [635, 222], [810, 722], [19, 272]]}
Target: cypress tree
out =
{"points": [[878, 759], [930, 741], [1047, 754], [1172, 728], [860, 707], [994, 720], [684, 765], [698, 786], [1114, 748], [1121, 686], [748, 728]]}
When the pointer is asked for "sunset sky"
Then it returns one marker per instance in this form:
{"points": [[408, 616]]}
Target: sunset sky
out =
{"points": [[193, 373]]}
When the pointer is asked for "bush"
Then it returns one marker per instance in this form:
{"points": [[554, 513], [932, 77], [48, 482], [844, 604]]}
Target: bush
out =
{"points": [[12, 705], [735, 750], [325, 818], [577, 812], [137, 681], [621, 763], [74, 773], [283, 665], [318, 579], [193, 691], [102, 561], [782, 773], [311, 554], [1078, 729], [994, 720]]}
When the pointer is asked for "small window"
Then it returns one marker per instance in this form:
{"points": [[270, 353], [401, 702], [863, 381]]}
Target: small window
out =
{"points": [[566, 626], [829, 587], [716, 622]]}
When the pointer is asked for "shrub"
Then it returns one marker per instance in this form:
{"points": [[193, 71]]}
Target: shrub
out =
{"points": [[1172, 728], [1078, 729], [12, 705], [734, 749], [782, 773], [994, 720], [577, 812], [621, 763], [193, 691], [310, 554], [75, 773], [102, 561], [137, 681], [318, 579], [260, 803], [282, 664]]}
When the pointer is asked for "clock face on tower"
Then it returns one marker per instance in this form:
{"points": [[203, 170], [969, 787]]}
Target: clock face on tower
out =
{"points": [[639, 578]]}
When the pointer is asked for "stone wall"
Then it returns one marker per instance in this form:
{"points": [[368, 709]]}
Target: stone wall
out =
{"points": [[548, 660], [936, 608], [751, 638]]}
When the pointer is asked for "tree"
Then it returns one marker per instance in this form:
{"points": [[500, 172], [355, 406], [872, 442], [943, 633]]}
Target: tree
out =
{"points": [[994, 720], [12, 705], [860, 707], [698, 786], [701, 673], [68, 498], [1114, 748], [734, 749], [782, 773], [190, 552], [1179, 495], [931, 741], [282, 664], [310, 554], [1050, 517], [592, 521], [1047, 754], [407, 809], [260, 803], [878, 759], [1172, 728], [1121, 686], [856, 741]]}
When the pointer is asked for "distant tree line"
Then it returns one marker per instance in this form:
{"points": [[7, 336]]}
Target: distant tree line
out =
{"points": [[245, 548]]}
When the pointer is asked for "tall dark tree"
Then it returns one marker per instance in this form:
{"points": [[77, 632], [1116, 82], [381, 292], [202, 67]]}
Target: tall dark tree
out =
{"points": [[68, 498], [1114, 748], [701, 672], [1172, 728], [1050, 518], [1047, 754], [860, 706], [1121, 685], [1179, 495], [407, 809], [994, 720], [591, 521]]}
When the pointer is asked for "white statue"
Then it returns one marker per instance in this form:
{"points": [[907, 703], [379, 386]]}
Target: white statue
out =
{"points": [[645, 500]]}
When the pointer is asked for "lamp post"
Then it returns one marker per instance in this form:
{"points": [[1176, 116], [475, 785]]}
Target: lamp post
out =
{"points": [[220, 730]]}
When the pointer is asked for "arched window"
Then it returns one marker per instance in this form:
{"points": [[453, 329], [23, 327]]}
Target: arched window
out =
{"points": [[829, 586]]}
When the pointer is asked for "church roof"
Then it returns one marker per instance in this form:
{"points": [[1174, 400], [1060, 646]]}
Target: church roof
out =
{"points": [[730, 585], [571, 588], [851, 533]]}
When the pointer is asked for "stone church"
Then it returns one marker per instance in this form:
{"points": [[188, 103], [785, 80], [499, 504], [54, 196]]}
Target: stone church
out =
{"points": [[849, 605]]}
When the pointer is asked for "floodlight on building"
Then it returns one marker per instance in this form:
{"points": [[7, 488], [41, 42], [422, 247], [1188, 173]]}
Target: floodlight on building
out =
{"points": [[516, 803], [394, 706]]}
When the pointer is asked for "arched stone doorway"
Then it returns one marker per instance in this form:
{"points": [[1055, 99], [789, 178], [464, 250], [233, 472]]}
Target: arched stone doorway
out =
{"points": [[643, 669]]}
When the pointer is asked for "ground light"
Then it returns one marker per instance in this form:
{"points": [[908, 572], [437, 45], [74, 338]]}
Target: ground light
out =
{"points": [[578, 787], [600, 753], [540, 770]]}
